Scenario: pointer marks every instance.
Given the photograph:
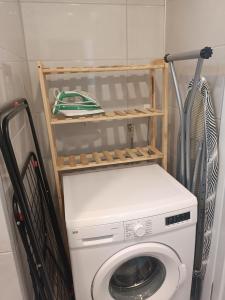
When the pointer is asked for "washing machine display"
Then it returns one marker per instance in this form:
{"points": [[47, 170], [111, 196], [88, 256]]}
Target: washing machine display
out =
{"points": [[178, 218], [142, 276]]}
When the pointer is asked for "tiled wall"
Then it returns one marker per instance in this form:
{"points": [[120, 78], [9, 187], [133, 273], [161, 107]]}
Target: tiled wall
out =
{"points": [[101, 32], [68, 33], [14, 83], [192, 25], [93, 32]]}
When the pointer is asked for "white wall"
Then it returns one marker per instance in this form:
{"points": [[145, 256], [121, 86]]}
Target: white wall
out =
{"points": [[192, 25], [96, 32], [100, 32], [14, 83], [68, 33]]}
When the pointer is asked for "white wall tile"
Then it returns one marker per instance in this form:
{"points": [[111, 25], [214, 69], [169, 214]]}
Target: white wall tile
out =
{"points": [[145, 26], [91, 137], [9, 284], [14, 81], [194, 24], [112, 2], [73, 31], [176, 38], [42, 134], [22, 144], [146, 2], [138, 84], [108, 88], [5, 244], [11, 30]]}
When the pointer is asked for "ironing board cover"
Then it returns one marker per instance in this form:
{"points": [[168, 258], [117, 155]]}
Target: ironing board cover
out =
{"points": [[204, 131]]}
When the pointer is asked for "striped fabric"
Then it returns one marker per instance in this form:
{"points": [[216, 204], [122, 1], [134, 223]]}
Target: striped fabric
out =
{"points": [[203, 112]]}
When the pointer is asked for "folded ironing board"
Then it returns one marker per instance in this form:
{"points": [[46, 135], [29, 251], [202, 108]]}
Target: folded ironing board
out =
{"points": [[198, 156]]}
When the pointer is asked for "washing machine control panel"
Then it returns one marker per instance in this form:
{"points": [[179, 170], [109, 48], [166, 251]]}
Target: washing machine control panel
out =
{"points": [[138, 228]]}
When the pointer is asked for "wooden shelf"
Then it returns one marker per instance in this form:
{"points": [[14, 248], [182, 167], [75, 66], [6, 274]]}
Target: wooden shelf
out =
{"points": [[61, 70], [155, 131], [107, 116], [106, 158]]}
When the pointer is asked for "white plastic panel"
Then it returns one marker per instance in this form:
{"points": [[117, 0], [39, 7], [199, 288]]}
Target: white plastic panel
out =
{"points": [[135, 229], [122, 194], [95, 235]]}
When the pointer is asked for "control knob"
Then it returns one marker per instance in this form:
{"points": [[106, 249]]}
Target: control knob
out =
{"points": [[139, 230]]}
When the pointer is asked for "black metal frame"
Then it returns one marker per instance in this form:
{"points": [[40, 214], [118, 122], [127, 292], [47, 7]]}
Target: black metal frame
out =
{"points": [[35, 215]]}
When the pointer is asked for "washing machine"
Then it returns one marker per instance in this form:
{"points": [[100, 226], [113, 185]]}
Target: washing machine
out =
{"points": [[131, 234]]}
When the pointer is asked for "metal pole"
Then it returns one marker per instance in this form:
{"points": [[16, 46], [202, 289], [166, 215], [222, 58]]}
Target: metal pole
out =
{"points": [[182, 132], [204, 53], [188, 120]]}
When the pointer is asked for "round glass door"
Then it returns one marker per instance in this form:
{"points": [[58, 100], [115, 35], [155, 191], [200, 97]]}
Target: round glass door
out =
{"points": [[145, 271], [141, 276]]}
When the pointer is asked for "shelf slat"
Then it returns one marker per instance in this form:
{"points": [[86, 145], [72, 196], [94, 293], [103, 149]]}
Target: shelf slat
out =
{"points": [[61, 70], [120, 154], [96, 157], [83, 159], [72, 160], [108, 156], [142, 151], [131, 153], [114, 115], [105, 158]]}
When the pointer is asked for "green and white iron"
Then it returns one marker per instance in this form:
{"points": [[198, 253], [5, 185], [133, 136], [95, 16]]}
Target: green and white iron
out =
{"points": [[75, 103]]}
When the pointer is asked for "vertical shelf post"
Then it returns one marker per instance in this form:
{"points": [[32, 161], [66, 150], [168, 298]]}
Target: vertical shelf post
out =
{"points": [[165, 116], [153, 121], [47, 110]]}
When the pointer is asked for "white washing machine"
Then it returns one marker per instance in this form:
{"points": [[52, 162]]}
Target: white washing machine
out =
{"points": [[131, 234]]}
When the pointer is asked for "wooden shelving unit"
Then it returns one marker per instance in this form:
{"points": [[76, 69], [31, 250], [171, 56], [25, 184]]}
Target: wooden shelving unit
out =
{"points": [[117, 156]]}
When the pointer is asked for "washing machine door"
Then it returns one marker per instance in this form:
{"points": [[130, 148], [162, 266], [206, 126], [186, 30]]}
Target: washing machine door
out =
{"points": [[144, 271]]}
